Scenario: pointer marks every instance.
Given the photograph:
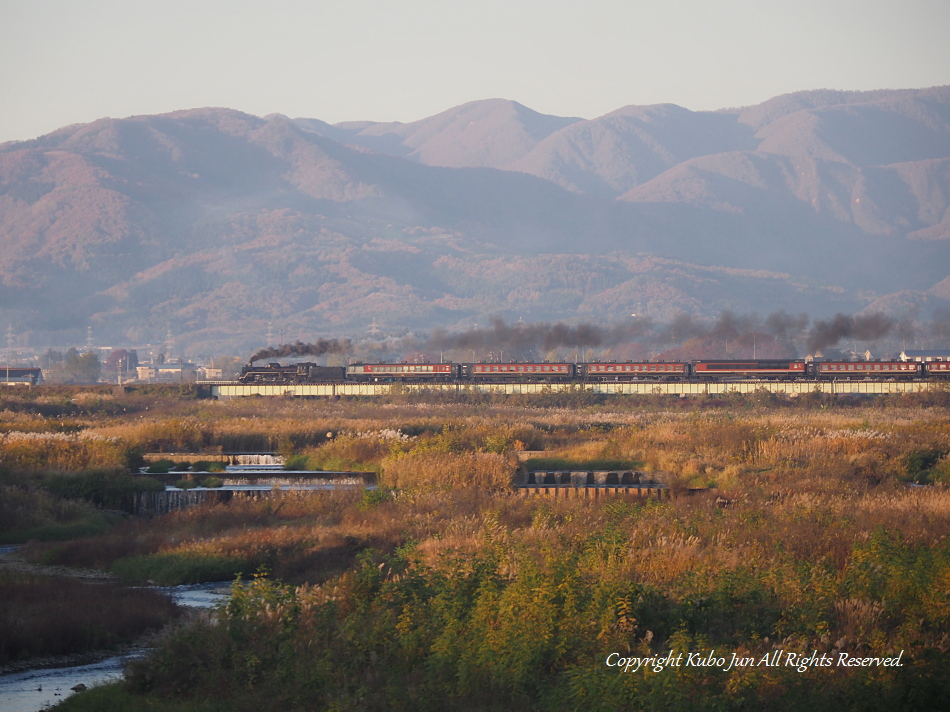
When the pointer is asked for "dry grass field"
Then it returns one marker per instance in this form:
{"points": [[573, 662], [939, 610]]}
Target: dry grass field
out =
{"points": [[815, 525]]}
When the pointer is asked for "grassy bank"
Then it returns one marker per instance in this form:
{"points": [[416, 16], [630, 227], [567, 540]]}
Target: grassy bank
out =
{"points": [[794, 526], [493, 602], [54, 615]]}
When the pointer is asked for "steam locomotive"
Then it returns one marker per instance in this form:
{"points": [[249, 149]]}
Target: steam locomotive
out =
{"points": [[597, 372]]}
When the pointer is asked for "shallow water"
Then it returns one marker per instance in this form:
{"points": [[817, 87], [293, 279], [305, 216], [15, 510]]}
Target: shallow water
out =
{"points": [[199, 595], [34, 690]]}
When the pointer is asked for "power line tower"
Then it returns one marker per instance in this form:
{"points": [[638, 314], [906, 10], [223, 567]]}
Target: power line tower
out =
{"points": [[11, 342], [89, 338]]}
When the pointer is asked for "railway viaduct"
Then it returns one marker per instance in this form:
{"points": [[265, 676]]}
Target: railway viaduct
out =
{"points": [[235, 389]]}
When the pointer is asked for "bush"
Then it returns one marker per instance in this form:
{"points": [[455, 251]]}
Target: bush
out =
{"points": [[342, 454], [28, 512], [918, 463], [173, 569], [42, 615], [557, 463], [208, 466], [297, 462], [445, 470], [104, 488], [373, 498]]}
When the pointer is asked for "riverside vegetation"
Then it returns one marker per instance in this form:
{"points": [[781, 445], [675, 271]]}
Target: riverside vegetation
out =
{"points": [[794, 525]]}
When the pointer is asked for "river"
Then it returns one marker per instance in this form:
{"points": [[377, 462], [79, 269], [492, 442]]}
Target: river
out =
{"points": [[33, 690]]}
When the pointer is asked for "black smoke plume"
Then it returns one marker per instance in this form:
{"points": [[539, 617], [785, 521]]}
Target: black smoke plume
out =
{"points": [[683, 328], [785, 327], [940, 325], [319, 348], [729, 327], [869, 327], [521, 337], [523, 340]]}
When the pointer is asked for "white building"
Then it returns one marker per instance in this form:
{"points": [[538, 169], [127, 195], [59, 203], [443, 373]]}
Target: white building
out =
{"points": [[166, 372], [922, 355]]}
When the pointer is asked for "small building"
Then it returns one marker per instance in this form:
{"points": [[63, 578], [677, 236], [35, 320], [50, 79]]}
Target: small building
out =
{"points": [[19, 376], [167, 372], [924, 355], [829, 354]]}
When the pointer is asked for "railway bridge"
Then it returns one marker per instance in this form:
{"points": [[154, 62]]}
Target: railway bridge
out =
{"points": [[235, 389]]}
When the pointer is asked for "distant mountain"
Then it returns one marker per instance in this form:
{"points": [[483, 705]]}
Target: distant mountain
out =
{"points": [[481, 134], [209, 224], [874, 160], [628, 147]]}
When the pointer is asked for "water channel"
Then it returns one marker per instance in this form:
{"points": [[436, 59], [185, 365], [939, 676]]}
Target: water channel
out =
{"points": [[39, 689], [246, 473]]}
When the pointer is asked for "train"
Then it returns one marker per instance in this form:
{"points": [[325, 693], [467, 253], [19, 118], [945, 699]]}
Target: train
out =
{"points": [[595, 372]]}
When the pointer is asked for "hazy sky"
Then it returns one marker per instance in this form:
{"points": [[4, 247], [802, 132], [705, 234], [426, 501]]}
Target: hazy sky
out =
{"points": [[70, 61]]}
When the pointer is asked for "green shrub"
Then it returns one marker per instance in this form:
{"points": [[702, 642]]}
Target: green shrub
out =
{"points": [[160, 467], [208, 466], [117, 697], [297, 462], [940, 473], [374, 497], [558, 463], [104, 488], [173, 569], [28, 512], [919, 462]]}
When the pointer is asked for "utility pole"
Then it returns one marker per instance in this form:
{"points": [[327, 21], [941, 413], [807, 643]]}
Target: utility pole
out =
{"points": [[9, 349]]}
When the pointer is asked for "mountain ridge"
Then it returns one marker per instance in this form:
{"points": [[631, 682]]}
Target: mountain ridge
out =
{"points": [[210, 223]]}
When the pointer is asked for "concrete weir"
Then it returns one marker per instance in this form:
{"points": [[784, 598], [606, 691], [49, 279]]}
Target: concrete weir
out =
{"points": [[246, 482], [592, 492], [591, 484], [172, 498], [233, 389]]}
